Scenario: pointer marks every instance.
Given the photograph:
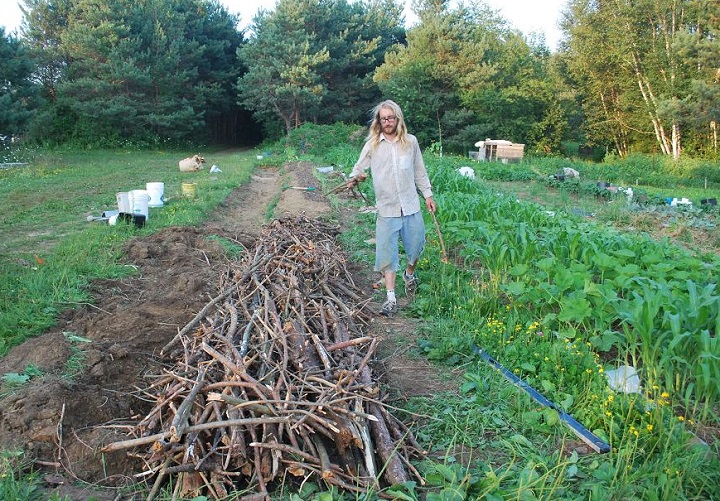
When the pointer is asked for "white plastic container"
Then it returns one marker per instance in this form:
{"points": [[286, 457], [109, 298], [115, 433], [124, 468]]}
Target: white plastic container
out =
{"points": [[680, 201], [156, 192], [139, 200], [123, 201]]}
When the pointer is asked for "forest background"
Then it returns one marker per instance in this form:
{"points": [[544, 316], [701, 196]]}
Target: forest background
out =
{"points": [[628, 77]]}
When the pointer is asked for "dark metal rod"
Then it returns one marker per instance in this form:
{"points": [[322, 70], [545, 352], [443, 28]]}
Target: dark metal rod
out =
{"points": [[597, 444]]}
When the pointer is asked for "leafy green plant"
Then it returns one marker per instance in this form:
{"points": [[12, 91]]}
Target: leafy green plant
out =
{"points": [[11, 380], [17, 480], [319, 140], [75, 364], [559, 298]]}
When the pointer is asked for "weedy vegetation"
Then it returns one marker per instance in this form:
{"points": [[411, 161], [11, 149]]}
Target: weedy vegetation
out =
{"points": [[561, 282]]}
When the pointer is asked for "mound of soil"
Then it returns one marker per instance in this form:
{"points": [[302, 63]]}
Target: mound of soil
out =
{"points": [[62, 422]]}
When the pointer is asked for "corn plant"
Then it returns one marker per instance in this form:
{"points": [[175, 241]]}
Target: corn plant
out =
{"points": [[612, 289], [559, 300]]}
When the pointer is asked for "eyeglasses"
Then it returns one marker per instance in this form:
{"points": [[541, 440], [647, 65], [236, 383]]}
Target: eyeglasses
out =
{"points": [[388, 119]]}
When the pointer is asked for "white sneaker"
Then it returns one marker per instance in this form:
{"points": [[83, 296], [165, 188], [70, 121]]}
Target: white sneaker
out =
{"points": [[389, 308], [411, 283]]}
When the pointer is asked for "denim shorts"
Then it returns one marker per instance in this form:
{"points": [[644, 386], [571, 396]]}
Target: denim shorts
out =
{"points": [[389, 231]]}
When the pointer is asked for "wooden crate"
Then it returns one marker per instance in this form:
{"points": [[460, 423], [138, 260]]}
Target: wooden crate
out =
{"points": [[504, 151]]}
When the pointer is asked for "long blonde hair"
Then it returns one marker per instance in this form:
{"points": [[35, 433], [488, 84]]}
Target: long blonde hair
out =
{"points": [[375, 128]]}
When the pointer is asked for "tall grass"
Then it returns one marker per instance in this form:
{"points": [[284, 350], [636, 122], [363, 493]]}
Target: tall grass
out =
{"points": [[18, 482]]}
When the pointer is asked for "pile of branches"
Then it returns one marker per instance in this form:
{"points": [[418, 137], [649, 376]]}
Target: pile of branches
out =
{"points": [[271, 381]]}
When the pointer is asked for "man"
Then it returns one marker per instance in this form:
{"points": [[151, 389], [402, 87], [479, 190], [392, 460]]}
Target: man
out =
{"points": [[398, 173]]}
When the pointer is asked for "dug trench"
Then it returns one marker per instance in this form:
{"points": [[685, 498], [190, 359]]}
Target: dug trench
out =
{"points": [[97, 361]]}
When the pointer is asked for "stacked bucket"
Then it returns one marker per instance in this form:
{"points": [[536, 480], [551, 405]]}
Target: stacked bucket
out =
{"points": [[134, 204]]}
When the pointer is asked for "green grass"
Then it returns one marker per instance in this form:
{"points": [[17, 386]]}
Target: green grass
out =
{"points": [[538, 280], [696, 226], [557, 299], [18, 482], [49, 252]]}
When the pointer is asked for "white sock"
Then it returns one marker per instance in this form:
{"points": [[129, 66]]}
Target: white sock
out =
{"points": [[391, 296]]}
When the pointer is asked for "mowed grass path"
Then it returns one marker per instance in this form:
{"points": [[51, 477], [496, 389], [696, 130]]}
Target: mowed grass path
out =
{"points": [[49, 251]]}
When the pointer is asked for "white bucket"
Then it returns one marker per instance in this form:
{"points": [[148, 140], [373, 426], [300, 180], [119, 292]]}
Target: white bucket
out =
{"points": [[156, 191], [139, 201], [123, 201]]}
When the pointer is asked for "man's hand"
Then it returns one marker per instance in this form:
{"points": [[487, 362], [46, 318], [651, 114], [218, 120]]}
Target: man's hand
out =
{"points": [[430, 204], [355, 180]]}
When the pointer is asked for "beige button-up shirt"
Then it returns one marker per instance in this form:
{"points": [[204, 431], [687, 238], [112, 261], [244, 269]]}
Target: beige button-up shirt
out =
{"points": [[398, 172]]}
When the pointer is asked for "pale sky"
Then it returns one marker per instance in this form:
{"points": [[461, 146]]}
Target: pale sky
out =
{"points": [[526, 15]]}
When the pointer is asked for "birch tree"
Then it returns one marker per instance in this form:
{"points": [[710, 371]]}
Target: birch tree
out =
{"points": [[639, 61]]}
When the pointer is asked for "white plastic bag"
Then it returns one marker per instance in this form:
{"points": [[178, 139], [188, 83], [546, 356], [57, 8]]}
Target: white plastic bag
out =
{"points": [[624, 379]]}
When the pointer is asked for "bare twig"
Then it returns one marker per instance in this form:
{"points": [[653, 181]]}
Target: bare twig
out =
{"points": [[293, 382]]}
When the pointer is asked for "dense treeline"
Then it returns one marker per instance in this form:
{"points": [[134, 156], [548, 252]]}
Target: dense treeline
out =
{"points": [[313, 60], [648, 72], [639, 76], [145, 71]]}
